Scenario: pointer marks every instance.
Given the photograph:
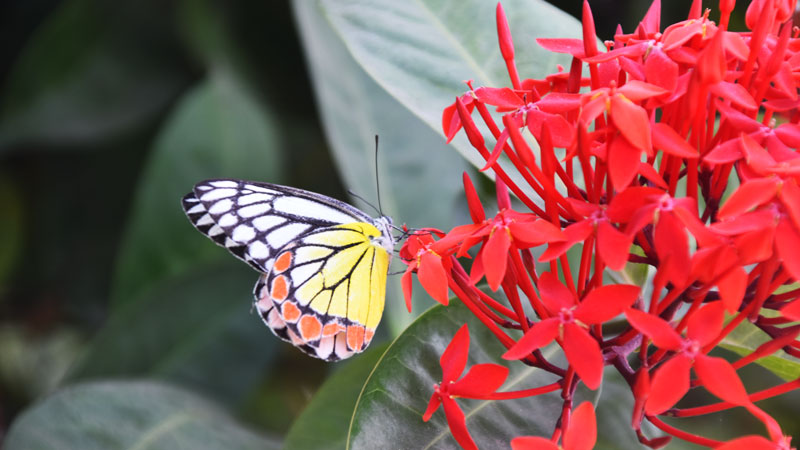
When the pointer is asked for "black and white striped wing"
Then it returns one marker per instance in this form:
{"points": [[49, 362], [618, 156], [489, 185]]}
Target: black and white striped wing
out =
{"points": [[254, 220]]}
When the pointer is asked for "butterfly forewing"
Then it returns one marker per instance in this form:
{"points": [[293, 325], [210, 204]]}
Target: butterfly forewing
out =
{"points": [[324, 263], [253, 220]]}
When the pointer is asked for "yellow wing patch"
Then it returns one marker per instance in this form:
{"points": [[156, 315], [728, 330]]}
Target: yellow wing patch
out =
{"points": [[329, 288]]}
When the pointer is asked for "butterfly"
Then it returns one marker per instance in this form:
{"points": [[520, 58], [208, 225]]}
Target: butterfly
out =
{"points": [[323, 263]]}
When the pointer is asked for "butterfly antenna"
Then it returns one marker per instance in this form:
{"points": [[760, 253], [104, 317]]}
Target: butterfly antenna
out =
{"points": [[377, 179], [351, 192]]}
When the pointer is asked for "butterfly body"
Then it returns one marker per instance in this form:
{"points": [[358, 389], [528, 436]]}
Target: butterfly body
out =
{"points": [[323, 263]]}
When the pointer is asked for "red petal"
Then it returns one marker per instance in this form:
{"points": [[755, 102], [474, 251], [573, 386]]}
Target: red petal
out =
{"points": [[476, 271], [454, 357], [533, 443], [651, 22], [433, 277], [787, 242], [623, 162], [495, 256], [534, 234], [539, 335], [473, 134], [732, 287], [720, 378], [631, 120], [749, 195], [559, 102], [496, 151], [473, 201], [660, 70], [480, 381], [606, 302], [563, 133], [711, 64], [503, 33], [592, 109], [734, 92], [581, 434], [450, 122], [433, 405], [577, 232], [727, 152], [630, 51], [657, 329], [706, 323], [583, 353], [407, 284], [669, 384], [628, 202], [755, 246], [458, 424], [746, 222], [636, 90], [790, 199], [789, 134], [792, 310], [500, 97], [758, 159], [555, 295], [672, 247], [573, 47], [667, 139], [613, 245], [748, 443]]}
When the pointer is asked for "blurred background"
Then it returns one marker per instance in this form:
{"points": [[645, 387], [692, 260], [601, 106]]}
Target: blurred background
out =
{"points": [[109, 112]]}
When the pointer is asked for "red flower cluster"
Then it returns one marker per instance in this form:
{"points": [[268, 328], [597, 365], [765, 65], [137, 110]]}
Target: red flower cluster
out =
{"points": [[678, 152]]}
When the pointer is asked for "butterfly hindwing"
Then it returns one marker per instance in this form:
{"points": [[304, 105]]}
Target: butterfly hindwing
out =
{"points": [[326, 290], [324, 263]]}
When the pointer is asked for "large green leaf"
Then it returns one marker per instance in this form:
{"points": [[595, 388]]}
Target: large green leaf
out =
{"points": [[217, 130], [420, 52], [128, 415], [391, 404], [196, 330], [92, 70], [324, 422], [746, 338], [420, 177]]}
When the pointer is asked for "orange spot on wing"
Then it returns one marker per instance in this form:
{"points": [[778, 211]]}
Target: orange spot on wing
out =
{"points": [[290, 312], [283, 262], [368, 335], [310, 327], [355, 337], [280, 289], [332, 329]]}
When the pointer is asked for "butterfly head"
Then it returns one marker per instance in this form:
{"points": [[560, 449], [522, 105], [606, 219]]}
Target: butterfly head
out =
{"points": [[385, 240]]}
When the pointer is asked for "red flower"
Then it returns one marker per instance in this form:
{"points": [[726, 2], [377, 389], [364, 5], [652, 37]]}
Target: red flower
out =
{"points": [[580, 434], [568, 323], [423, 256], [671, 380], [479, 382]]}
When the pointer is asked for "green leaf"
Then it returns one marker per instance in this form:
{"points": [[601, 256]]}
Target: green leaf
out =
{"points": [[197, 330], [128, 415], [93, 70], [420, 178], [420, 52], [324, 422], [746, 338], [391, 404], [217, 130]]}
